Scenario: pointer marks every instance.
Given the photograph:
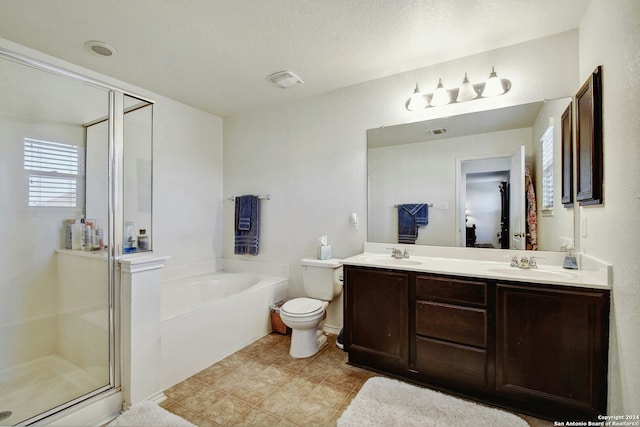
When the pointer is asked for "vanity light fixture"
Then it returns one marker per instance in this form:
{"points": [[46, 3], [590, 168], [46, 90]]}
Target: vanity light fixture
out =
{"points": [[493, 87], [416, 101], [467, 91], [440, 96]]}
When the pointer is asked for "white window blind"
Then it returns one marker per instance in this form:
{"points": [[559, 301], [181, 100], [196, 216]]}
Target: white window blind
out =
{"points": [[547, 168], [54, 170]]}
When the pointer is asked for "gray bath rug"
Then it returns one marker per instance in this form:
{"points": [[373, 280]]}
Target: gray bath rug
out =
{"points": [[387, 402], [148, 414]]}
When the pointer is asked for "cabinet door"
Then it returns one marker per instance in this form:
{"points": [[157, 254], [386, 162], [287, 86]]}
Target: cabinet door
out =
{"points": [[377, 318], [552, 348]]}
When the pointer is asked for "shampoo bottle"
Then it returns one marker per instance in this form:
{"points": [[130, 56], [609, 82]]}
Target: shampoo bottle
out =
{"points": [[129, 241]]}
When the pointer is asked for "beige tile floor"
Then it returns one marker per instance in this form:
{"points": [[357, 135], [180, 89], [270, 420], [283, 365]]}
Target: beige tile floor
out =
{"points": [[262, 385]]}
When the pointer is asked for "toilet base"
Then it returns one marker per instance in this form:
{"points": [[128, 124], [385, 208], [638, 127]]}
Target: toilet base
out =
{"points": [[306, 343]]}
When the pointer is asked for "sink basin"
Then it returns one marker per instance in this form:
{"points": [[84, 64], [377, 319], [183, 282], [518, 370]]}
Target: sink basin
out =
{"points": [[387, 260], [534, 273]]}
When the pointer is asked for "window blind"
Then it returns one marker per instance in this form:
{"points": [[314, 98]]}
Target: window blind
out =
{"points": [[53, 172], [547, 168]]}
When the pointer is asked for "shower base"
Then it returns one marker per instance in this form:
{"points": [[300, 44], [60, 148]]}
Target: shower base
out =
{"points": [[35, 387]]}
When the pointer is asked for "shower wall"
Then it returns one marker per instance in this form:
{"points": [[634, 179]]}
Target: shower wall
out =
{"points": [[28, 241]]}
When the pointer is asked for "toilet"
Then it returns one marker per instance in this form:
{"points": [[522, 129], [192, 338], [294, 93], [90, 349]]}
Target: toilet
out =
{"points": [[322, 280]]}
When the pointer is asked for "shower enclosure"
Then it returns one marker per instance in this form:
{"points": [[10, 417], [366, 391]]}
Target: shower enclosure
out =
{"points": [[75, 164]]}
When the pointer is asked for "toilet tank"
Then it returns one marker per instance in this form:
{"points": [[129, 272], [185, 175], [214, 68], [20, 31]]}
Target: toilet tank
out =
{"points": [[322, 278]]}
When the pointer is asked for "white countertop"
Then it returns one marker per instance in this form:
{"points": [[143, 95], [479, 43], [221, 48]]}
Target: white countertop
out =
{"points": [[494, 264]]}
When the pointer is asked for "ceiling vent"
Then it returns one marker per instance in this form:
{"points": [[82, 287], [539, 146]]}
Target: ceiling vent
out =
{"points": [[439, 131], [284, 79]]}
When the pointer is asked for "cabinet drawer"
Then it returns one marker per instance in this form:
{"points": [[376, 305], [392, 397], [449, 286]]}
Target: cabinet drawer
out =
{"points": [[464, 325], [451, 362], [451, 290]]}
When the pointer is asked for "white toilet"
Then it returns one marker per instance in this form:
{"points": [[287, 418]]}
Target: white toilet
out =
{"points": [[322, 281]]}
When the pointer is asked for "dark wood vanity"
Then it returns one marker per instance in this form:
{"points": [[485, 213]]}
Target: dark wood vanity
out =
{"points": [[538, 349]]}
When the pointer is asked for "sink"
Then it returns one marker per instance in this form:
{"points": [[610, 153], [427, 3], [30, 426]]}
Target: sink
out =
{"points": [[533, 273], [387, 260]]}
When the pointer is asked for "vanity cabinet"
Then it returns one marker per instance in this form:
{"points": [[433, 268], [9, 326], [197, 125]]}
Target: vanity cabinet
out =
{"points": [[377, 318], [451, 330], [552, 348], [534, 348]]}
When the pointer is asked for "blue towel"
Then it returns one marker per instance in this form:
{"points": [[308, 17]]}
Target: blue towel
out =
{"points": [[244, 212], [410, 217], [247, 225]]}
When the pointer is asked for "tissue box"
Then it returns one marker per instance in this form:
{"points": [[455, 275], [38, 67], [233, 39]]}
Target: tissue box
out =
{"points": [[324, 252]]}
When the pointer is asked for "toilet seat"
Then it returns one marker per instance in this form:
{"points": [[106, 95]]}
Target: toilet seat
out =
{"points": [[302, 307]]}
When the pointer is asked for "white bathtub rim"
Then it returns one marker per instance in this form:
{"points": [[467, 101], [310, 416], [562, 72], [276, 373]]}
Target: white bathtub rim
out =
{"points": [[264, 281]]}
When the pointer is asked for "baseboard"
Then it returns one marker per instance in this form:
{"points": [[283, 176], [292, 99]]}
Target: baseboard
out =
{"points": [[331, 330]]}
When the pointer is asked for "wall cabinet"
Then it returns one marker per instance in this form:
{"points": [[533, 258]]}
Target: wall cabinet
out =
{"points": [[537, 349]]}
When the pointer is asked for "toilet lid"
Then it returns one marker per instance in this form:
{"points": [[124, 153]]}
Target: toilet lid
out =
{"points": [[300, 306]]}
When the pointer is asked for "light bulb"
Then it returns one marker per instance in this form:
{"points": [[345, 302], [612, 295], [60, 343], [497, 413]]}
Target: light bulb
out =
{"points": [[466, 91], [417, 101], [440, 96], [493, 86]]}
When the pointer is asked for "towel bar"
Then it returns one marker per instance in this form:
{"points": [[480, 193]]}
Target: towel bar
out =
{"points": [[428, 204], [266, 197]]}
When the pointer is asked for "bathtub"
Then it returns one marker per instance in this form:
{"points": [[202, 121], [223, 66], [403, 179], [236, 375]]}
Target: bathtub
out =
{"points": [[208, 317]]}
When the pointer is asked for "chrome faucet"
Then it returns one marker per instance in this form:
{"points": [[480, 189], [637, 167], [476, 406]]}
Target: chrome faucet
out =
{"points": [[524, 262], [397, 253]]}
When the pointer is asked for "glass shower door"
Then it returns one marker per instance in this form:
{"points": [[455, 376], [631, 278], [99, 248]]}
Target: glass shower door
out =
{"points": [[55, 336]]}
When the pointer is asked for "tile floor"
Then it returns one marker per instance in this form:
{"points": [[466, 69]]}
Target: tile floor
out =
{"points": [[261, 385]]}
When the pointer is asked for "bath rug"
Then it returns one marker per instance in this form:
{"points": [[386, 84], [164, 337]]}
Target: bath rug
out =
{"points": [[386, 402], [149, 414]]}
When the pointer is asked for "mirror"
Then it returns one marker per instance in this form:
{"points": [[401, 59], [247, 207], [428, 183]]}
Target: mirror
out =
{"points": [[470, 171]]}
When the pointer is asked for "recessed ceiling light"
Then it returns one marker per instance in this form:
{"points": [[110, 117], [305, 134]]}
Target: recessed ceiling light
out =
{"points": [[101, 48], [284, 79]]}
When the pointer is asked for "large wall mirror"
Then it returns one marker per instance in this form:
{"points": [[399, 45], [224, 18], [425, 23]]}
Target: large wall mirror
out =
{"points": [[473, 171]]}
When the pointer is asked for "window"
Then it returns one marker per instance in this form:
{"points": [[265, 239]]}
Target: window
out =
{"points": [[547, 168], [53, 172]]}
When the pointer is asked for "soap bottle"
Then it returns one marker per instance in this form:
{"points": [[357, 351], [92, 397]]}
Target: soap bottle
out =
{"points": [[570, 262], [98, 242], [143, 240], [88, 234], [76, 234], [82, 230], [129, 242]]}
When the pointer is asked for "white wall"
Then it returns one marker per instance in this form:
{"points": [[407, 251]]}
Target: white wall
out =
{"points": [[610, 36], [310, 155]]}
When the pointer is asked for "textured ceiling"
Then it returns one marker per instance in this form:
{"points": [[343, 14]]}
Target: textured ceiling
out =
{"points": [[215, 54]]}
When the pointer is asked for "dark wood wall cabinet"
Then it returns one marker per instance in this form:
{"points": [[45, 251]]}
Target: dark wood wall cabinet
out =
{"points": [[567, 157], [533, 348], [589, 149]]}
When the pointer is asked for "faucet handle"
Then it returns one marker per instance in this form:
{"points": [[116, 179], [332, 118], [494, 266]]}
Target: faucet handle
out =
{"points": [[532, 261], [406, 253], [395, 252], [514, 260]]}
